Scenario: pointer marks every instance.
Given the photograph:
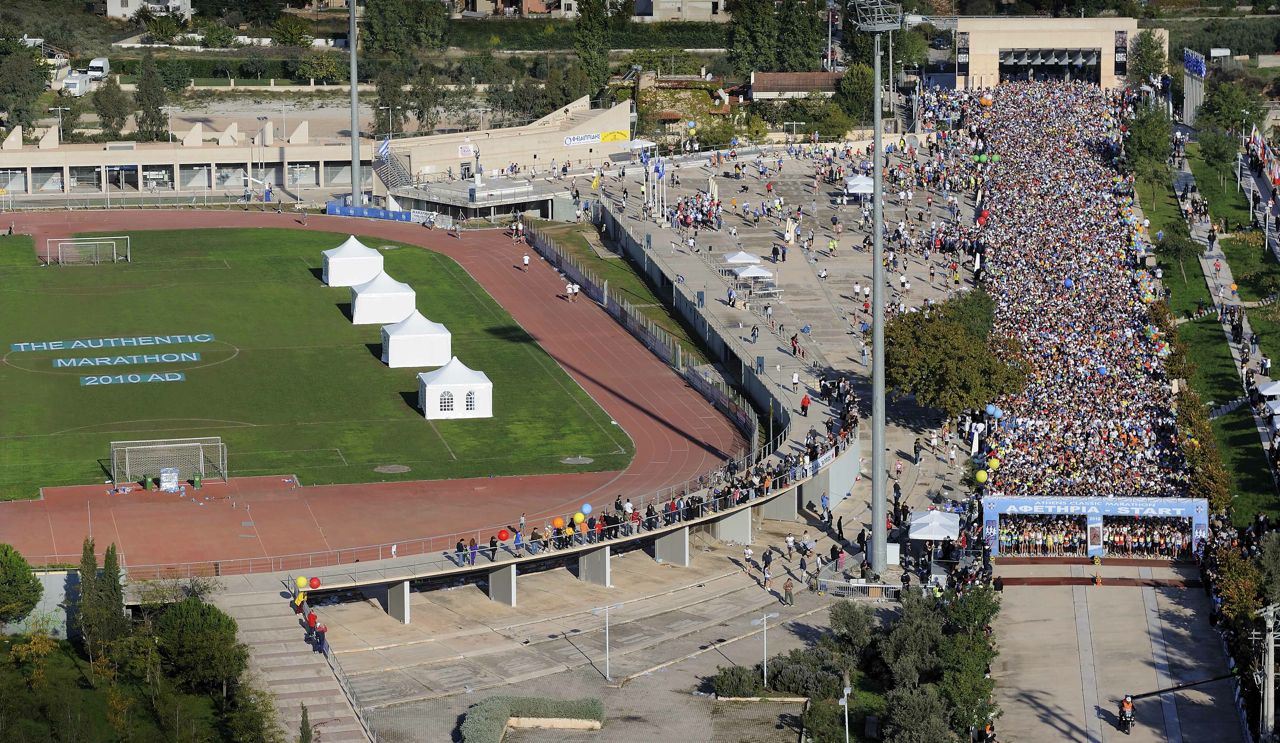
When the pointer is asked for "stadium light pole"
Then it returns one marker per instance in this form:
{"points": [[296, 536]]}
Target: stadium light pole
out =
{"points": [[357, 186], [876, 17]]}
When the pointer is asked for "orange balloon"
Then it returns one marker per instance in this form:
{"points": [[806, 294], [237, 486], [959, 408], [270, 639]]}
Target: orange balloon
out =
{"points": [[557, 522]]}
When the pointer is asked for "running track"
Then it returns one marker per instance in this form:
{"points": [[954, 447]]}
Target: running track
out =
{"points": [[677, 434]]}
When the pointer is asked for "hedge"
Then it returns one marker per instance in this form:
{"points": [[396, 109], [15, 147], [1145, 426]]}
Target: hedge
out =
{"points": [[201, 67], [486, 722], [548, 34]]}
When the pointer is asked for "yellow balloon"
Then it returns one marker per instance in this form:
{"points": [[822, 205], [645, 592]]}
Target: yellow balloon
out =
{"points": [[993, 464], [981, 477], [300, 582], [578, 518]]}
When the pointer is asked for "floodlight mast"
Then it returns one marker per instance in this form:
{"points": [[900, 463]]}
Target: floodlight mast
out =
{"points": [[877, 17]]}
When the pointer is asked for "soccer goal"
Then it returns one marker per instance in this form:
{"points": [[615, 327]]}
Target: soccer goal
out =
{"points": [[87, 250], [131, 461]]}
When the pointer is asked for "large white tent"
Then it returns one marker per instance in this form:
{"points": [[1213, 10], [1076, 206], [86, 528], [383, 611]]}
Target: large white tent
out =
{"points": [[740, 258], [416, 341], [934, 525], [381, 300], [1270, 389], [454, 391], [859, 184], [351, 263], [753, 272]]}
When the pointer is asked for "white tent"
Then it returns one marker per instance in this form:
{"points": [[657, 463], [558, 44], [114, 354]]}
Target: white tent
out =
{"points": [[351, 263], [935, 525], [642, 144], [416, 341], [454, 391], [1270, 389], [1274, 406], [381, 300], [859, 184], [740, 258], [753, 272]]}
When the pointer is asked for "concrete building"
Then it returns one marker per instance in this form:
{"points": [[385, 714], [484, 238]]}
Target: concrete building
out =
{"points": [[125, 9], [652, 11], [990, 50], [770, 86]]}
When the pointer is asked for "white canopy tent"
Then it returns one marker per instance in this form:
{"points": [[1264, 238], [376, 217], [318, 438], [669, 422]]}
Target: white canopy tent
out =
{"points": [[642, 144], [741, 258], [1274, 407], [454, 391], [416, 341], [351, 263], [381, 300], [753, 272], [859, 184], [935, 525], [1270, 389]]}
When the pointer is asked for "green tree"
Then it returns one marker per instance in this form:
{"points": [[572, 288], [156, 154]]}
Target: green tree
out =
{"points": [[1179, 247], [426, 99], [163, 29], [253, 66], [320, 66], [1231, 105], [304, 727], [620, 13], [252, 717], [292, 31], [109, 588], [591, 41], [800, 36], [431, 22], [854, 625], [857, 93], [20, 590], [915, 715], [1239, 585], [216, 35], [972, 611], [1150, 132], [910, 51], [964, 684], [176, 74], [198, 642], [385, 31], [22, 80], [391, 95], [150, 99], [1147, 58], [259, 12], [1269, 565], [1218, 150], [910, 649], [753, 36], [85, 614]]}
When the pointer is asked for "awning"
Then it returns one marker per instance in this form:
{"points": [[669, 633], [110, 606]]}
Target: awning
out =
{"points": [[1270, 389], [741, 257], [934, 525], [753, 272], [642, 144]]}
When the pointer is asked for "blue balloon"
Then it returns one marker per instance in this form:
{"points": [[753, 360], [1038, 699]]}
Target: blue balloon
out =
{"points": [[999, 413], [991, 409], [586, 508], [1102, 370], [1068, 283]]}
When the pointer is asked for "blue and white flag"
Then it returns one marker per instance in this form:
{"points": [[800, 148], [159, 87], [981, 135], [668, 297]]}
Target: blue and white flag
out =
{"points": [[384, 149]]}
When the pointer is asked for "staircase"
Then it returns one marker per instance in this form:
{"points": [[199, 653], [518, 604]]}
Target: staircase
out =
{"points": [[291, 670], [393, 172]]}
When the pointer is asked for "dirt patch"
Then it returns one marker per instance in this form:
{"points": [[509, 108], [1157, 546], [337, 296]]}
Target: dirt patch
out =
{"points": [[577, 460], [391, 469]]}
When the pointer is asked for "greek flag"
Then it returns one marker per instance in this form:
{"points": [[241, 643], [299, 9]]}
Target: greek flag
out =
{"points": [[384, 149]]}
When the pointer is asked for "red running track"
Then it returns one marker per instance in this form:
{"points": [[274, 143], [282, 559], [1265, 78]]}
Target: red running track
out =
{"points": [[677, 434]]}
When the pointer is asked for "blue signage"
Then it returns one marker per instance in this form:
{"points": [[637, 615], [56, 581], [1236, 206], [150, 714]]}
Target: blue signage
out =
{"points": [[130, 342], [106, 379], [150, 358], [335, 209], [1196, 510]]}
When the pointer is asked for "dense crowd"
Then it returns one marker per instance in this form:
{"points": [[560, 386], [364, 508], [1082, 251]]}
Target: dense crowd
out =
{"points": [[1063, 265]]}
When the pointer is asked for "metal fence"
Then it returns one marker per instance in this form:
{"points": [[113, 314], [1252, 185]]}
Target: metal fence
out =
{"points": [[348, 692]]}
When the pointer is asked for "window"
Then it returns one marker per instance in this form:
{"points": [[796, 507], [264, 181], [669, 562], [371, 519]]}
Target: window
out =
{"points": [[446, 402], [470, 400]]}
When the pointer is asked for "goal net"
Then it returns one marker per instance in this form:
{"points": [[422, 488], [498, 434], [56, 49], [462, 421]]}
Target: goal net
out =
{"points": [[87, 250], [131, 461]]}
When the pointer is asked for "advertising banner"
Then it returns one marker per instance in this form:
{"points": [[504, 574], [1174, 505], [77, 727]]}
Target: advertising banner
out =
{"points": [[1196, 510]]}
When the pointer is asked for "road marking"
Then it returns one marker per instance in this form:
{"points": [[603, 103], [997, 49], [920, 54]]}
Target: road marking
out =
{"points": [[1160, 660], [1088, 668]]}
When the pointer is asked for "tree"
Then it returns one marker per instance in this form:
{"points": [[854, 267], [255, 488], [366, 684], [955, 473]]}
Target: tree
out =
{"points": [[964, 684], [800, 36], [320, 66], [22, 80], [1147, 58], [1231, 105], [253, 66], [1238, 584], [972, 611], [163, 29], [290, 30], [1150, 133], [1269, 565], [916, 714], [390, 94], [856, 94], [217, 35], [259, 12], [1218, 150], [1179, 247], [386, 32], [252, 718], [85, 616], [753, 36], [32, 654], [304, 727], [150, 98], [591, 41], [176, 75], [854, 625], [198, 642], [109, 589], [20, 590], [910, 647], [620, 13], [426, 99], [910, 51]]}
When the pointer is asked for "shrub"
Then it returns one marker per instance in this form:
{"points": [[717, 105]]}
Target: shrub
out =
{"points": [[737, 681], [20, 590], [815, 673], [486, 722]]}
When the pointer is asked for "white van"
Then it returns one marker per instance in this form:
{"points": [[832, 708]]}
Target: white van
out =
{"points": [[99, 68], [77, 84]]}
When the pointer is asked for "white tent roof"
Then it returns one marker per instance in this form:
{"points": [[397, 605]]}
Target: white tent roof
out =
{"points": [[415, 324], [351, 248], [642, 144], [854, 180], [382, 284], [741, 257], [1274, 405], [753, 272], [454, 373], [1270, 389], [859, 188], [934, 525]]}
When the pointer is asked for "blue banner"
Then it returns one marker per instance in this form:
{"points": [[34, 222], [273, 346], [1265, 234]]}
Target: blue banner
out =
{"points": [[1196, 510], [150, 358], [129, 342], [107, 379], [336, 209]]}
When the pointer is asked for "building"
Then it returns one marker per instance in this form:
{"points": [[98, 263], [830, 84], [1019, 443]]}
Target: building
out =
{"points": [[651, 11], [771, 86], [125, 9], [990, 50]]}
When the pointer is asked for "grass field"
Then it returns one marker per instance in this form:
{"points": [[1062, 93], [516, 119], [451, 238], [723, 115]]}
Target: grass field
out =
{"points": [[289, 383]]}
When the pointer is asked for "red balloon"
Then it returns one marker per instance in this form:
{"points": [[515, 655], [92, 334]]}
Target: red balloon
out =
{"points": [[315, 583], [503, 535], [311, 619]]}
